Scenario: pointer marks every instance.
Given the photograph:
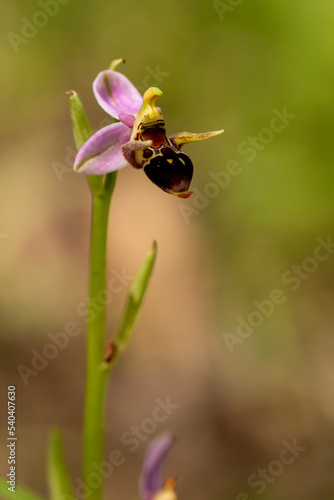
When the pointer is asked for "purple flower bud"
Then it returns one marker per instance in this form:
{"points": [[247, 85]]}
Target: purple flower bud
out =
{"points": [[152, 479]]}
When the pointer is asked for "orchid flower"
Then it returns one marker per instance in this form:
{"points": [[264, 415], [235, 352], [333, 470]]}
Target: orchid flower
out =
{"points": [[138, 138], [152, 485]]}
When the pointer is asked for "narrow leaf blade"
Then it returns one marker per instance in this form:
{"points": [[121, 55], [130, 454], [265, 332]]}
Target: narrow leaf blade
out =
{"points": [[135, 299], [82, 131], [59, 482]]}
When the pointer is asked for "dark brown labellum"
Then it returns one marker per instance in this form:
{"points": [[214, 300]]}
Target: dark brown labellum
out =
{"points": [[169, 168]]}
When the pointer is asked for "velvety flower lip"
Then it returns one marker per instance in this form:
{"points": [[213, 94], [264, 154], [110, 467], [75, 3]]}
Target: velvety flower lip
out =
{"points": [[152, 480]]}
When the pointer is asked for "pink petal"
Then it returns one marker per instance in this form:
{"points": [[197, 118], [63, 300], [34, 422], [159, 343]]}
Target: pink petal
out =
{"points": [[127, 119], [102, 153], [116, 94]]}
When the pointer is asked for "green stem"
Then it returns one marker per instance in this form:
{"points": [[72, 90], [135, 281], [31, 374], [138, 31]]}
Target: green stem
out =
{"points": [[97, 371]]}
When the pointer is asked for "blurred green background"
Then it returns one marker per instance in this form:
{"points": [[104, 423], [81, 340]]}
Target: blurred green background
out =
{"points": [[222, 253]]}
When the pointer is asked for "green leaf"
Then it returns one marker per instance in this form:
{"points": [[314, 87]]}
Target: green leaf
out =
{"points": [[136, 295], [82, 131], [59, 482], [21, 493]]}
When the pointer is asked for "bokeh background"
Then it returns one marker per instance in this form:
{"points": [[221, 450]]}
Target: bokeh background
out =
{"points": [[228, 64]]}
